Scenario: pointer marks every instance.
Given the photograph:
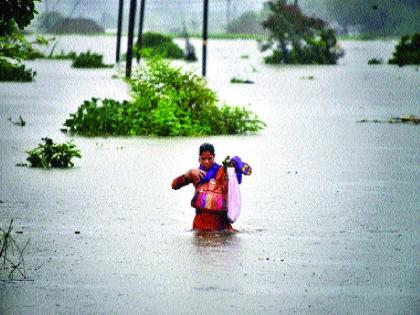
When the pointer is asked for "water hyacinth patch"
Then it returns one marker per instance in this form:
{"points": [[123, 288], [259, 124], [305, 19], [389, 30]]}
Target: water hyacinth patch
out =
{"points": [[52, 154], [166, 101]]}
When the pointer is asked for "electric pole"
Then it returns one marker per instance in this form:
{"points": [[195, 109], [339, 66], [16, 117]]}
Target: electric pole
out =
{"points": [[131, 20]]}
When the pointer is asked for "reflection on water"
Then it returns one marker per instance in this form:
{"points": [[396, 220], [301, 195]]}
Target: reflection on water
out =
{"points": [[215, 239]]}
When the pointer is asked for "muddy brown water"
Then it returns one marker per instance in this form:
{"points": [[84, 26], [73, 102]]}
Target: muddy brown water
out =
{"points": [[330, 218]]}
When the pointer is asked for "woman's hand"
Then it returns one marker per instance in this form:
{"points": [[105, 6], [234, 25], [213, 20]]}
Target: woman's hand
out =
{"points": [[196, 173]]}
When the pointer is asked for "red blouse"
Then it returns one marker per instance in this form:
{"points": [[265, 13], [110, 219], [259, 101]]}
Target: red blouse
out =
{"points": [[207, 220]]}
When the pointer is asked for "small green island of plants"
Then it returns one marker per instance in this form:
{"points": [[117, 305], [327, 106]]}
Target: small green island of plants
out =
{"points": [[166, 101], [407, 51], [156, 44], [52, 154], [89, 60]]}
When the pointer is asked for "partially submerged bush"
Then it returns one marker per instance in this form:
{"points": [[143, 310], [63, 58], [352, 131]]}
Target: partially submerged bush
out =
{"points": [[11, 254], [407, 51], [165, 102], [52, 154], [15, 72], [239, 80], [158, 44], [64, 56], [89, 60], [375, 61]]}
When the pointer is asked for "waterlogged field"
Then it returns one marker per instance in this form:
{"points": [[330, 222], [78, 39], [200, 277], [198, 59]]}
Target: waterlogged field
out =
{"points": [[330, 215]]}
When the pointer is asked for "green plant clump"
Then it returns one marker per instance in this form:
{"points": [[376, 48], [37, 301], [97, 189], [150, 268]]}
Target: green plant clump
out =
{"points": [[89, 60], [64, 56], [165, 102], [52, 154], [239, 80], [15, 72], [375, 61], [157, 44], [407, 51]]}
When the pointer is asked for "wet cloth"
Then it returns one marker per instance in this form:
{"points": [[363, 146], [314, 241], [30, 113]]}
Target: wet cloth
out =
{"points": [[234, 196], [241, 168]]}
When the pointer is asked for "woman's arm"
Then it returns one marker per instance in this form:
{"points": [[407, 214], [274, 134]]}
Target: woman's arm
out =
{"points": [[189, 177]]}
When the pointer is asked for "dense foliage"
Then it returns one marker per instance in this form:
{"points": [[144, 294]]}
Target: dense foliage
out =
{"points": [[407, 51], [165, 102], [14, 16], [52, 154], [15, 72], [89, 60], [155, 44], [298, 39]]}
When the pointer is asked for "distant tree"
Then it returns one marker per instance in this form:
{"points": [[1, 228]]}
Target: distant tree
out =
{"points": [[296, 38]]}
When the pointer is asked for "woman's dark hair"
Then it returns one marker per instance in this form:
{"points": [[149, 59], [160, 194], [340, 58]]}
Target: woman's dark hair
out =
{"points": [[206, 147]]}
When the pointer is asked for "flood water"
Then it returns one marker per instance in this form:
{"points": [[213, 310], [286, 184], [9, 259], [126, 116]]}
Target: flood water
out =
{"points": [[330, 216]]}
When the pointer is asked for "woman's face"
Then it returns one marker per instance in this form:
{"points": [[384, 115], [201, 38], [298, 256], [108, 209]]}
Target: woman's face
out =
{"points": [[206, 160]]}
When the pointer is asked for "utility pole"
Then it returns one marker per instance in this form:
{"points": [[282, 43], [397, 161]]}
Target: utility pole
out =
{"points": [[119, 27], [131, 20], [140, 32], [205, 35]]}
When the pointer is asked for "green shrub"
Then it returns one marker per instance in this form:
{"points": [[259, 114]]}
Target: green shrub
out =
{"points": [[375, 61], [15, 72], [165, 102], [407, 51], [89, 60], [239, 80], [52, 154], [162, 45], [64, 56]]}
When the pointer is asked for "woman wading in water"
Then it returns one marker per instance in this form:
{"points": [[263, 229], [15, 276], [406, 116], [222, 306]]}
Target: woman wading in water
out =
{"points": [[210, 196]]}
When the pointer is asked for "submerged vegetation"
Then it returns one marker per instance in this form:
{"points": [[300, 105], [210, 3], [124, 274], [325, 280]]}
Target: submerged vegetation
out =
{"points": [[165, 102], [155, 44], [407, 119], [11, 255], [407, 51], [375, 61], [298, 39], [89, 60], [239, 80], [15, 72], [52, 154]]}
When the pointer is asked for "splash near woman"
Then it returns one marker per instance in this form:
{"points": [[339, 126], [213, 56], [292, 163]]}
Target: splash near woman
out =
{"points": [[211, 190]]}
